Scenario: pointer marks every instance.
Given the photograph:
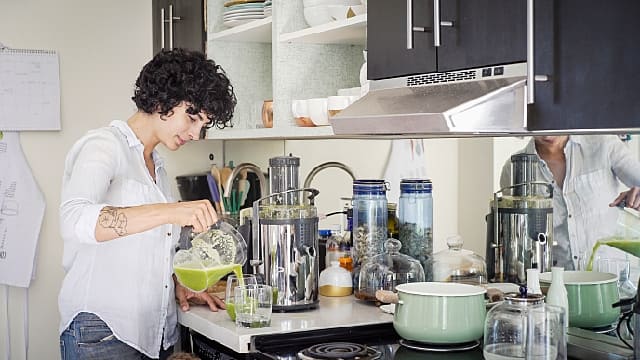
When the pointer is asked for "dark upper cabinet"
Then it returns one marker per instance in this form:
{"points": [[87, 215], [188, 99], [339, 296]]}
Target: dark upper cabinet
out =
{"points": [[472, 34], [590, 52], [179, 23]]}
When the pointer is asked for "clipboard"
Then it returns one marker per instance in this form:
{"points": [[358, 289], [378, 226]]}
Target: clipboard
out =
{"points": [[29, 89]]}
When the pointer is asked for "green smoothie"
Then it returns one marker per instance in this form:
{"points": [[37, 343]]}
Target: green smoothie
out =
{"points": [[629, 245], [199, 279]]}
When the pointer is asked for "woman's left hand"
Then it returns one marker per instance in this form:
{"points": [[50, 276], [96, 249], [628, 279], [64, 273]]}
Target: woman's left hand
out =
{"points": [[185, 296], [631, 198]]}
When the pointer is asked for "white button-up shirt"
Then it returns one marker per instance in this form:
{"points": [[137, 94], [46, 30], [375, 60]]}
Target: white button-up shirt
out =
{"points": [[127, 281], [595, 166]]}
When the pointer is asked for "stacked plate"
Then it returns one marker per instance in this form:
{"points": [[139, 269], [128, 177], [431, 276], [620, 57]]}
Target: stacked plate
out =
{"points": [[238, 12]]}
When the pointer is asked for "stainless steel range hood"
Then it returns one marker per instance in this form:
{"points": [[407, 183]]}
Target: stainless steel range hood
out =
{"points": [[467, 102]]}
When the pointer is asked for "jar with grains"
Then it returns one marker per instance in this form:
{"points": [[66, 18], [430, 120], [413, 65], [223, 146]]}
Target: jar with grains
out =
{"points": [[415, 216], [369, 219]]}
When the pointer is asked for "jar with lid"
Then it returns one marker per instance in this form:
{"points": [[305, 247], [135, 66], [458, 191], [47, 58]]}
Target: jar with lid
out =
{"points": [[456, 264], [385, 271], [369, 219], [415, 217], [524, 327]]}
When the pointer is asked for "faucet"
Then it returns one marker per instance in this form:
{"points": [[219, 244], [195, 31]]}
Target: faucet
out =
{"points": [[237, 170], [329, 164]]}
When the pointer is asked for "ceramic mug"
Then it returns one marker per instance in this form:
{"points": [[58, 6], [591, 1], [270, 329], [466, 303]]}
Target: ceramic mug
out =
{"points": [[440, 313], [590, 296]]}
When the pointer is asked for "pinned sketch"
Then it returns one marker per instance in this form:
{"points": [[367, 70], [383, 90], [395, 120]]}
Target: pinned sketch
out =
{"points": [[21, 213], [29, 90]]}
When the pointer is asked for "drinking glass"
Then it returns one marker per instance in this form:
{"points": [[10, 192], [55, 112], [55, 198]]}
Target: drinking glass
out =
{"points": [[253, 305], [620, 267], [232, 282]]}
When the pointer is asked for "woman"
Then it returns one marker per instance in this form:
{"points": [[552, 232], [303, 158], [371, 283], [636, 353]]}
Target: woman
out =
{"points": [[119, 223]]}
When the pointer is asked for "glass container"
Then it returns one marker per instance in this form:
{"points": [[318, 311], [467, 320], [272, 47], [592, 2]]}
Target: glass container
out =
{"points": [[415, 217], [283, 176], [369, 219], [458, 265], [386, 270], [524, 327]]}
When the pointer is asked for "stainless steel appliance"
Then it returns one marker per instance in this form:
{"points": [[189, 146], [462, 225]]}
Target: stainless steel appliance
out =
{"points": [[285, 248], [520, 225]]}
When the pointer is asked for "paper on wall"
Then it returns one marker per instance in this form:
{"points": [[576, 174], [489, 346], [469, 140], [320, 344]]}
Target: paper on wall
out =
{"points": [[406, 160], [21, 212]]}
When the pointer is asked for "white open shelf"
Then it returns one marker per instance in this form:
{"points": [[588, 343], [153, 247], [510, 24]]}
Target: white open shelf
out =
{"points": [[351, 31], [292, 132], [253, 31]]}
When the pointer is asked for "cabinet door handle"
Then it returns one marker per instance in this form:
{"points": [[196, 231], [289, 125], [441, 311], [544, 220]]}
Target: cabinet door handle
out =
{"points": [[409, 24], [162, 21], [436, 23], [531, 97], [171, 19]]}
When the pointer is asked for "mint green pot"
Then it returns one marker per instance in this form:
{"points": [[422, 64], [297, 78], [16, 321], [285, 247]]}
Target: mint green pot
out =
{"points": [[590, 296], [439, 313]]}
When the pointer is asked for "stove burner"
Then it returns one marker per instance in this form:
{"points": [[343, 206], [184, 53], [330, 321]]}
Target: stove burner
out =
{"points": [[339, 351], [416, 345]]}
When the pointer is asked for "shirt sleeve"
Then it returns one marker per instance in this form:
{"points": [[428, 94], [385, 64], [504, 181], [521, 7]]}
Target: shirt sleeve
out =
{"points": [[623, 163], [89, 168]]}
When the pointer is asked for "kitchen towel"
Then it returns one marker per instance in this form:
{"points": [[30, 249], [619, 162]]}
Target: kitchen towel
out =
{"points": [[21, 212], [406, 161]]}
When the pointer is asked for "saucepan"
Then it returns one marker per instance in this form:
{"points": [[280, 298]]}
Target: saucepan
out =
{"points": [[440, 313], [591, 295]]}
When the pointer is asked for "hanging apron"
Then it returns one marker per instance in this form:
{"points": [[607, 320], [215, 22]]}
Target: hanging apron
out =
{"points": [[21, 212]]}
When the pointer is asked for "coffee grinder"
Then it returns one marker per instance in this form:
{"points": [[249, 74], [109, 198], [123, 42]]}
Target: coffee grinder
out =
{"points": [[285, 238], [520, 225]]}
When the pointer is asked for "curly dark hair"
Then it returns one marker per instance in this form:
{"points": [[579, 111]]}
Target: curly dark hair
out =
{"points": [[177, 75]]}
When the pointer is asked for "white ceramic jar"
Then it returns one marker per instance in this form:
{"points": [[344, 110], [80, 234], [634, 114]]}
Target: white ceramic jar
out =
{"points": [[335, 281]]}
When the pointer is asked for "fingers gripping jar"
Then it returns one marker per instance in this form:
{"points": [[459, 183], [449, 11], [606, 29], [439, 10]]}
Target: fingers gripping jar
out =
{"points": [[415, 215], [369, 219]]}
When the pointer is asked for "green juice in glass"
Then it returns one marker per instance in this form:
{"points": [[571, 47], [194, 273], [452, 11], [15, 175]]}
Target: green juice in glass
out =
{"points": [[629, 245], [199, 279]]}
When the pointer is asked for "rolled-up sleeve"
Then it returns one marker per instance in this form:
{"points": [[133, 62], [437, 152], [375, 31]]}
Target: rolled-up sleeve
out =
{"points": [[89, 168], [623, 163]]}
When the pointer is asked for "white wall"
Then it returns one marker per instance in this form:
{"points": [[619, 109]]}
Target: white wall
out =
{"points": [[102, 46]]}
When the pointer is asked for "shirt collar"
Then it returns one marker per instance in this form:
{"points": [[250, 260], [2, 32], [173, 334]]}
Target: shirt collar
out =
{"points": [[133, 140]]}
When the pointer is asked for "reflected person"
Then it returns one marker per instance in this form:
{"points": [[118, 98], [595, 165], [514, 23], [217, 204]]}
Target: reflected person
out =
{"points": [[119, 222], [587, 173]]}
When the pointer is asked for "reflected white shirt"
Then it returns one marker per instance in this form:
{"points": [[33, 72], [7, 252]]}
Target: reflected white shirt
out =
{"points": [[127, 281], [595, 166]]}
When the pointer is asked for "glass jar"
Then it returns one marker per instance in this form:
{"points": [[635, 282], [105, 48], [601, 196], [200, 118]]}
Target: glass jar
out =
{"points": [[385, 271], [415, 217], [524, 327], [458, 265], [369, 219]]}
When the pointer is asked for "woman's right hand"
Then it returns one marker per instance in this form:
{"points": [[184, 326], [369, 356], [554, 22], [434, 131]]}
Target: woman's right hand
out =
{"points": [[199, 214]]}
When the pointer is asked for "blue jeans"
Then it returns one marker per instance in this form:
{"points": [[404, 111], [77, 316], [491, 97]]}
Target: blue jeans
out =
{"points": [[88, 337]]}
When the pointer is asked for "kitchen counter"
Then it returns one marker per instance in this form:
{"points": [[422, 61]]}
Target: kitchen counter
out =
{"points": [[333, 312]]}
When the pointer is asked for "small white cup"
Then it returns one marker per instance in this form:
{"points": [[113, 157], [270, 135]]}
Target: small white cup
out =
{"points": [[318, 111], [337, 103]]}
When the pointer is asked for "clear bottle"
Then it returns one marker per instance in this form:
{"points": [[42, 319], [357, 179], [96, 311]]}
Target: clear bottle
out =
{"points": [[336, 248], [369, 219], [415, 216]]}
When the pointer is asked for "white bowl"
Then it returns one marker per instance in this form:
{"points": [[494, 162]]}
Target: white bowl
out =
{"points": [[317, 15], [309, 3]]}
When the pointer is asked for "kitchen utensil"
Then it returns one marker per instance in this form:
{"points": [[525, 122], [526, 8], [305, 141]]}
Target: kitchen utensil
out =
{"points": [[386, 271], [590, 295], [212, 255], [285, 248], [524, 327], [253, 305], [440, 313], [520, 226], [234, 281], [458, 265]]}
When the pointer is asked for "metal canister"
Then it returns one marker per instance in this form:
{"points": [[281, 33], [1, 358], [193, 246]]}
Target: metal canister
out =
{"points": [[415, 215]]}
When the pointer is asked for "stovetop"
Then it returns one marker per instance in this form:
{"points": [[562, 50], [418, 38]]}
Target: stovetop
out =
{"points": [[382, 339]]}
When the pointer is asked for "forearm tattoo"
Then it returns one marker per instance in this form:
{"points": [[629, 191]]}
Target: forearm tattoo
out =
{"points": [[113, 218]]}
